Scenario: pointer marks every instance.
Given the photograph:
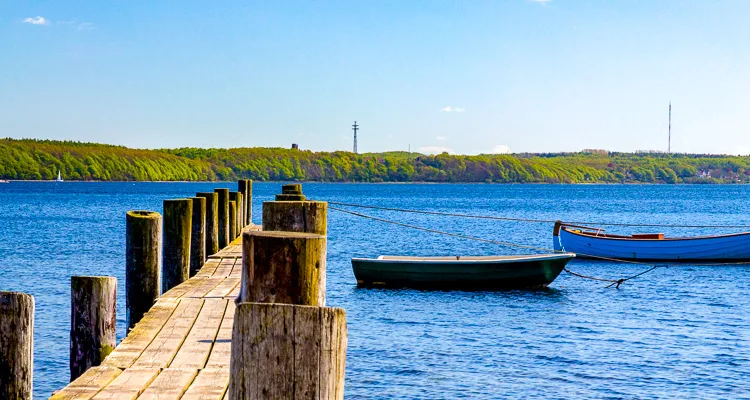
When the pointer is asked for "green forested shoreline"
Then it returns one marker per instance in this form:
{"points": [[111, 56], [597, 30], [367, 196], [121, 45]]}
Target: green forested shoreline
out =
{"points": [[41, 159]]}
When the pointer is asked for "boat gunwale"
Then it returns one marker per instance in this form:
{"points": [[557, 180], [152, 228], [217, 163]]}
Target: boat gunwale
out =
{"points": [[630, 239], [489, 260]]}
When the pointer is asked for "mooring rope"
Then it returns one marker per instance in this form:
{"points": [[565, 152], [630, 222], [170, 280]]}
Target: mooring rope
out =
{"points": [[616, 282], [546, 221]]}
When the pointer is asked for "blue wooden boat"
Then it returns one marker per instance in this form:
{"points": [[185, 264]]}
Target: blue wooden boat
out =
{"points": [[460, 272], [590, 242]]}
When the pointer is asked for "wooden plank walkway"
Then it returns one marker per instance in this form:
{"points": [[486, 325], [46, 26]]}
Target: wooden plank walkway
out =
{"points": [[181, 347]]}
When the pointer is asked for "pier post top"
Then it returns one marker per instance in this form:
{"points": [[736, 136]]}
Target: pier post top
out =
{"points": [[143, 214], [282, 234], [291, 192], [178, 200]]}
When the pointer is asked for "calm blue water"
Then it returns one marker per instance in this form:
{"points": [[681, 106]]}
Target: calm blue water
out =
{"points": [[674, 333]]}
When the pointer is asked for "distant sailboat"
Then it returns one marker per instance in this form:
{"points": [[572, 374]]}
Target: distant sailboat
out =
{"points": [[59, 177]]}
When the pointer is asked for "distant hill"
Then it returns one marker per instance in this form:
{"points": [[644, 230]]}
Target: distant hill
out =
{"points": [[41, 159]]}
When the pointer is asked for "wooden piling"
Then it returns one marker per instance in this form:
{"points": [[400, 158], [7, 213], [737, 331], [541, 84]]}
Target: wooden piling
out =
{"points": [[232, 220], [235, 196], [198, 235], [178, 216], [246, 188], [290, 212], [93, 321], [223, 217], [283, 267], [16, 345], [240, 213], [302, 351], [142, 256], [212, 222]]}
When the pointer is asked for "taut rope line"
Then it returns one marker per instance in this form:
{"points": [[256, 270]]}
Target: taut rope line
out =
{"points": [[532, 219], [616, 282]]}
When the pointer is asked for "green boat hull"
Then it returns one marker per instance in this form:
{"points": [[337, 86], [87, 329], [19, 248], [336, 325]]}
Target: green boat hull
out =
{"points": [[460, 273]]}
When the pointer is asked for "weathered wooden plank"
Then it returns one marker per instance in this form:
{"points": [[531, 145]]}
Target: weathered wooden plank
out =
{"points": [[235, 292], [197, 346], [180, 290], [163, 348], [205, 286], [224, 268], [223, 289], [233, 250], [129, 384], [222, 348], [237, 269], [89, 384], [209, 267], [171, 384], [210, 384], [142, 335]]}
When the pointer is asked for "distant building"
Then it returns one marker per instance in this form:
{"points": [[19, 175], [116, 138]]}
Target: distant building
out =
{"points": [[295, 146]]}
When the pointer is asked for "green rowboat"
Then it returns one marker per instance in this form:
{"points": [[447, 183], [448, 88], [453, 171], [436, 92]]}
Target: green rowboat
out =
{"points": [[458, 272]]}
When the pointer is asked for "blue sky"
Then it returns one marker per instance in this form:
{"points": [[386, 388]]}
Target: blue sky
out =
{"points": [[464, 76]]}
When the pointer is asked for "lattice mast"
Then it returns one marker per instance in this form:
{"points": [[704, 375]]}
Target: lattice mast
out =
{"points": [[355, 128], [669, 143]]}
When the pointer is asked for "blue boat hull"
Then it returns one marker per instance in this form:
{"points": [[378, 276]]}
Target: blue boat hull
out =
{"points": [[722, 248]]}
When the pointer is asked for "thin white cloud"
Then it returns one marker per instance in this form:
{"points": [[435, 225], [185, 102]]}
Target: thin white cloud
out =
{"points": [[436, 150], [86, 26], [441, 138], [500, 149], [36, 21], [542, 2], [452, 109]]}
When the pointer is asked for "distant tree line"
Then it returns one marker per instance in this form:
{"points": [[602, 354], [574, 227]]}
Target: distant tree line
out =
{"points": [[42, 159]]}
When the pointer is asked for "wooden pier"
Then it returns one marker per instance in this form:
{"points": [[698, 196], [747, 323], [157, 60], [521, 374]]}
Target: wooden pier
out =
{"points": [[287, 343], [181, 347]]}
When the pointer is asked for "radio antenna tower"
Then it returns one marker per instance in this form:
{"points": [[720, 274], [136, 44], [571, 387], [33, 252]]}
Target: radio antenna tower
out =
{"points": [[669, 144], [355, 127]]}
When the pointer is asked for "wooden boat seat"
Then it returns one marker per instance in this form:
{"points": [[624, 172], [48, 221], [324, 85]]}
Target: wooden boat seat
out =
{"points": [[659, 236], [651, 236]]}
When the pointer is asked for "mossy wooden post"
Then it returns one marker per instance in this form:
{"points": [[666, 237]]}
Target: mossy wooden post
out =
{"points": [[246, 188], [178, 223], [223, 217], [16, 345], [283, 267], [93, 321], [142, 256], [198, 235], [212, 222], [280, 322], [240, 213], [283, 351], [291, 212], [232, 220], [235, 197]]}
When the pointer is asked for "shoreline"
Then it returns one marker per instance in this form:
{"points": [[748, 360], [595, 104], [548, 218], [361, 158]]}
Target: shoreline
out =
{"points": [[402, 183]]}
